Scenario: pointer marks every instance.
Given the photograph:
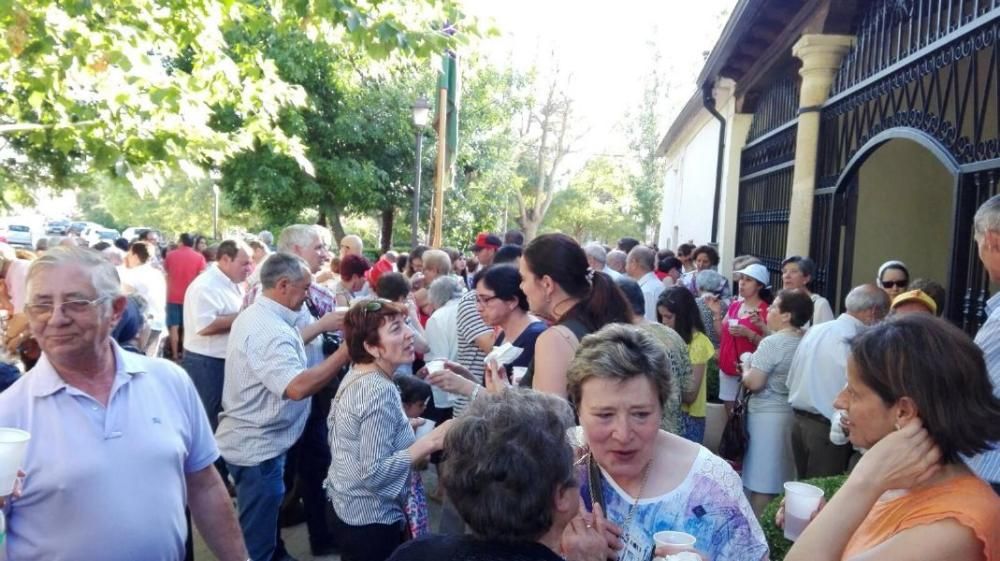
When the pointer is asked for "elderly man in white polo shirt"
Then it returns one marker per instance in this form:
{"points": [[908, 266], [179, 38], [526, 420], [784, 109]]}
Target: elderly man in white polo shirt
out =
{"points": [[119, 441], [265, 406]]}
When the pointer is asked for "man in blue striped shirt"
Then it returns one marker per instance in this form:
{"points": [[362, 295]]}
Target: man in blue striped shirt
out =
{"points": [[987, 231]]}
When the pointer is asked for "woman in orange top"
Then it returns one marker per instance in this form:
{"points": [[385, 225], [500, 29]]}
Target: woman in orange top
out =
{"points": [[918, 395]]}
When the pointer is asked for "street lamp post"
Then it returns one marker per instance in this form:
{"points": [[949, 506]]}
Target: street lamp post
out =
{"points": [[421, 112]]}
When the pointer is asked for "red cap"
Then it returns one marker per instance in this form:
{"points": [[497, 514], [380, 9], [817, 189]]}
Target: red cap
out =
{"points": [[485, 240]]}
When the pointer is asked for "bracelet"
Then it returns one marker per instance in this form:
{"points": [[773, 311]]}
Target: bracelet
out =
{"points": [[475, 392]]}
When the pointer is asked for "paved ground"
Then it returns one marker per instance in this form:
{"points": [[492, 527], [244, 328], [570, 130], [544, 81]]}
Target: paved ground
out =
{"points": [[297, 537]]}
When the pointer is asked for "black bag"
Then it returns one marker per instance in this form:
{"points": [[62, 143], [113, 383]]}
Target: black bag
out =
{"points": [[331, 341], [735, 437]]}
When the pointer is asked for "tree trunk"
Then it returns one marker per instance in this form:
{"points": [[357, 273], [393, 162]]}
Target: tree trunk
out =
{"points": [[388, 219], [333, 213], [530, 229]]}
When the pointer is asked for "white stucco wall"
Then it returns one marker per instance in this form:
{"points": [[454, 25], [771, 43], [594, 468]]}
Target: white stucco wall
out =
{"points": [[689, 186]]}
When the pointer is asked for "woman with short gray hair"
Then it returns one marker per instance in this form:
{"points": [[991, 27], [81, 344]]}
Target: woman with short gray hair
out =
{"points": [[646, 479], [509, 472]]}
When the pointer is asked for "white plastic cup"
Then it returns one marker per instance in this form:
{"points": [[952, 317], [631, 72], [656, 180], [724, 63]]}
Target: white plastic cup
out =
{"points": [[519, 372], [674, 542], [442, 399], [801, 501], [13, 448], [733, 322], [424, 429]]}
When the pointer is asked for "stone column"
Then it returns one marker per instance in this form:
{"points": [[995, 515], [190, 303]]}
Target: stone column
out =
{"points": [[820, 56]]}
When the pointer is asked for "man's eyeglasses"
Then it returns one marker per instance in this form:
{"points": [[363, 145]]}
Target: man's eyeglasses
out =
{"points": [[895, 284], [68, 307]]}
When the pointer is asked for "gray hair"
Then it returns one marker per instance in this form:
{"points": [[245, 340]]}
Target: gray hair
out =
{"points": [[301, 235], [438, 260], [867, 297], [643, 256], [443, 290], [616, 258], [596, 252], [354, 242], [282, 266], [506, 458], [710, 281], [987, 218], [266, 237], [620, 352], [103, 275]]}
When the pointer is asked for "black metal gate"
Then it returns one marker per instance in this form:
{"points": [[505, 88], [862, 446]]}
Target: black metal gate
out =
{"points": [[924, 70], [766, 164]]}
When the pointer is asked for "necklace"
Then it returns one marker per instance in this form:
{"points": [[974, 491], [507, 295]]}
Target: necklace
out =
{"points": [[627, 526]]}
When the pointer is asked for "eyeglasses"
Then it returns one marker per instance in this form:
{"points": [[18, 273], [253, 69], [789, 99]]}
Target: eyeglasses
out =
{"points": [[895, 284], [372, 305], [68, 307], [484, 300]]}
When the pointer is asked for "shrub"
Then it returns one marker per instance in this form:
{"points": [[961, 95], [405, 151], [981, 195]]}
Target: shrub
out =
{"points": [[712, 377], [776, 536]]}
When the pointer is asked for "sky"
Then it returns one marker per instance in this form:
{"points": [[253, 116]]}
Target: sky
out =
{"points": [[605, 47]]}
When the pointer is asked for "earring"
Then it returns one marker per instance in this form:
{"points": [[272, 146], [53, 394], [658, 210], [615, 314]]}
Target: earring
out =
{"points": [[896, 425]]}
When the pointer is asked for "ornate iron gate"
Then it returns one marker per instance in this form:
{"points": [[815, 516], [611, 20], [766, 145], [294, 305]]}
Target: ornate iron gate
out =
{"points": [[766, 164], [926, 70]]}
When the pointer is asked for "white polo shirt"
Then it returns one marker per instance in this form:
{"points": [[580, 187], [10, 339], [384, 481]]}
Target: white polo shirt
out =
{"points": [[152, 285], [209, 296], [819, 368]]}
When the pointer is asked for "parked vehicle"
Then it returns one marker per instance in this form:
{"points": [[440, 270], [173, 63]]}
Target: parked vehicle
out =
{"points": [[57, 227], [20, 235], [96, 235]]}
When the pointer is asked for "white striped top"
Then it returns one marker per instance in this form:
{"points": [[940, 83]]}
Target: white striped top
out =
{"points": [[369, 440], [470, 325], [987, 464]]}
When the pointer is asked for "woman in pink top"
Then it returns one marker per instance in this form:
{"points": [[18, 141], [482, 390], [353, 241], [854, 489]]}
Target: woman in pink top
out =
{"points": [[742, 329]]}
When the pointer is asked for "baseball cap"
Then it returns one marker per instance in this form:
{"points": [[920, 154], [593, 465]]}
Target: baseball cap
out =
{"points": [[915, 296], [757, 272], [485, 240]]}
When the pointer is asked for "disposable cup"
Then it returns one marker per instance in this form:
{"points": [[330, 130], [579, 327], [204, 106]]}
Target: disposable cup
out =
{"points": [[441, 397], [13, 447], [518, 373], [674, 542], [424, 429], [733, 322], [801, 501]]}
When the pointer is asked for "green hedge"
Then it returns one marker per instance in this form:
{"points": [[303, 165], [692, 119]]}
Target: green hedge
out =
{"points": [[712, 380], [775, 535]]}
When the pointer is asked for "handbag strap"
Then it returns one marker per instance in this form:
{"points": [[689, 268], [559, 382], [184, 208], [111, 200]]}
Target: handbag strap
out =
{"points": [[596, 488]]}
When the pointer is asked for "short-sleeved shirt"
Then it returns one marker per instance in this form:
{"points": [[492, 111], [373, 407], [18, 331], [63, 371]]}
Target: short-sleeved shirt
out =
{"points": [[773, 357], [441, 333], [526, 342], [709, 504], [700, 351], [651, 288], [182, 266], [265, 354], [110, 479], [210, 295], [470, 325], [148, 282]]}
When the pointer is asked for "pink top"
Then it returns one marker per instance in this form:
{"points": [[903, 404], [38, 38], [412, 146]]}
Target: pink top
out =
{"points": [[182, 266], [731, 347]]}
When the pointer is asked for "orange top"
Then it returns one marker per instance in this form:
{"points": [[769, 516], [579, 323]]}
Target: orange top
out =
{"points": [[967, 499]]}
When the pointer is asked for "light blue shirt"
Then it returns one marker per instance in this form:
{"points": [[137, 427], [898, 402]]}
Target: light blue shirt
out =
{"points": [[987, 464], [106, 484]]}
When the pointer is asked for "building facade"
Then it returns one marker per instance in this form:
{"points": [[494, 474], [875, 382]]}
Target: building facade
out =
{"points": [[858, 132]]}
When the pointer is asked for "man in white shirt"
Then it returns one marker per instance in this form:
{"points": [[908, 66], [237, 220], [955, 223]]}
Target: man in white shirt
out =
{"points": [[211, 304], [597, 258], [818, 373], [640, 265]]}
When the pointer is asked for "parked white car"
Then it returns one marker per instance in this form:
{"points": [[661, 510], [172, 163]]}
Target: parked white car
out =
{"points": [[21, 235], [97, 235]]}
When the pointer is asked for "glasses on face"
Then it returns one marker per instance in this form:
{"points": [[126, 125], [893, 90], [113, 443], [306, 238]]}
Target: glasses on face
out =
{"points": [[68, 307], [484, 300], [895, 284]]}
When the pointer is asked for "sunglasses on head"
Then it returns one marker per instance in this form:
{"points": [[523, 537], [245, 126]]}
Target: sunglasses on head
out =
{"points": [[895, 284]]}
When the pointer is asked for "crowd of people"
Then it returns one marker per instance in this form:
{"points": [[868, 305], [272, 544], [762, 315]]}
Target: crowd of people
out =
{"points": [[559, 392]]}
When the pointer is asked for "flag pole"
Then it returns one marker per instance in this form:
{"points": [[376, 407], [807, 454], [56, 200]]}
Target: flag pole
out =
{"points": [[442, 171]]}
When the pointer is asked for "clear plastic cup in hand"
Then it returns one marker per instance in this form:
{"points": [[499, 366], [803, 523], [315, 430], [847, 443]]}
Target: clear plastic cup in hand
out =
{"points": [[674, 542], [13, 448], [801, 502], [442, 399]]}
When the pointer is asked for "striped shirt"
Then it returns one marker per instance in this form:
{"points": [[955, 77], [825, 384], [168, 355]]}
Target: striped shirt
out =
{"points": [[264, 355], [773, 357], [470, 326], [369, 440], [987, 464]]}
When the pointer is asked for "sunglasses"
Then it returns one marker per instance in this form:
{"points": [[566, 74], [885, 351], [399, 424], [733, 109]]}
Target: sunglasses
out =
{"points": [[895, 284]]}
